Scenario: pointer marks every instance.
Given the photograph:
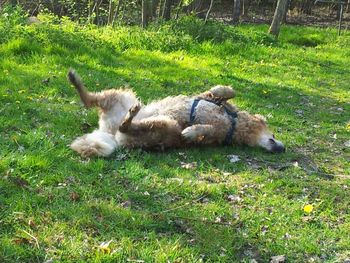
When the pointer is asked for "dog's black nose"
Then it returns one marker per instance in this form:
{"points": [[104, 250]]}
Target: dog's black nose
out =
{"points": [[278, 148]]}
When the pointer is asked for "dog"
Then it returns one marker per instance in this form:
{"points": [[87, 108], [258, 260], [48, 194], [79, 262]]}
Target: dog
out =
{"points": [[172, 122]]}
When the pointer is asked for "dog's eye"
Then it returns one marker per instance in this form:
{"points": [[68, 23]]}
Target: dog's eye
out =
{"points": [[272, 141]]}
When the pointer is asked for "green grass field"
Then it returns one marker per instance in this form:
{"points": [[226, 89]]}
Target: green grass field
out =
{"points": [[56, 206]]}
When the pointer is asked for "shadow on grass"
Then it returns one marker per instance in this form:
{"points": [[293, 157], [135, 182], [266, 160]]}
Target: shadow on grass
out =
{"points": [[108, 199]]}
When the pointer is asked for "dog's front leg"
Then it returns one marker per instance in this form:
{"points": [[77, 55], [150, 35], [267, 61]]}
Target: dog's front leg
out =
{"points": [[203, 134]]}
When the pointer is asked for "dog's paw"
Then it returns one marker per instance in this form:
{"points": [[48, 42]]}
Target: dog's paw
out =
{"points": [[224, 92], [134, 109], [190, 134]]}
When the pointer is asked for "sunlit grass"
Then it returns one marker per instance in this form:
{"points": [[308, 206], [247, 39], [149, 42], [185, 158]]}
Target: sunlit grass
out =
{"points": [[56, 205]]}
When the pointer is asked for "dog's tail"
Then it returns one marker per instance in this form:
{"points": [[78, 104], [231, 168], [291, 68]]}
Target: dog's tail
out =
{"points": [[88, 98], [97, 143]]}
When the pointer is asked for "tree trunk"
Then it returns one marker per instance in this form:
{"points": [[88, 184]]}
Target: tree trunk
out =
{"points": [[209, 9], [179, 7], [146, 11], [110, 7], [167, 10], [338, 11], [13, 2], [306, 6], [284, 19], [236, 11], [243, 7], [116, 12], [155, 4], [277, 18]]}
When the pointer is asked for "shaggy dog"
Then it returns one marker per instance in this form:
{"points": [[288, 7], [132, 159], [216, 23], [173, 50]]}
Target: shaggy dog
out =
{"points": [[206, 119]]}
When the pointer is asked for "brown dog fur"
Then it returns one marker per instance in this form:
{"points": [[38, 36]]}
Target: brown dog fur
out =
{"points": [[125, 122]]}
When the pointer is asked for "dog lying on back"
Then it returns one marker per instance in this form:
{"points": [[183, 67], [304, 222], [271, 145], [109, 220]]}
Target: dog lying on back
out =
{"points": [[180, 121]]}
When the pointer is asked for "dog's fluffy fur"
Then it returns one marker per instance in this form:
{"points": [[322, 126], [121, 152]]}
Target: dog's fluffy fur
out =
{"points": [[125, 122]]}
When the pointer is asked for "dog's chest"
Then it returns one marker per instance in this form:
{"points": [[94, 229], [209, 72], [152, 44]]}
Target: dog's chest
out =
{"points": [[210, 113]]}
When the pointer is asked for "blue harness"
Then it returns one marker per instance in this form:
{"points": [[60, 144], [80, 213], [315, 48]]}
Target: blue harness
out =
{"points": [[233, 116]]}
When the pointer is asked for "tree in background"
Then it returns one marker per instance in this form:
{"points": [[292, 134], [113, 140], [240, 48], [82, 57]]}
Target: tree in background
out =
{"points": [[236, 11], [146, 12], [280, 11], [142, 12], [167, 10]]}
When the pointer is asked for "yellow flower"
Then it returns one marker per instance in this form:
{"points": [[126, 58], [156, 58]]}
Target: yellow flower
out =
{"points": [[308, 208], [348, 127], [104, 247]]}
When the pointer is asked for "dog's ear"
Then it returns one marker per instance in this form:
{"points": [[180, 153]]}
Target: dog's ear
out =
{"points": [[261, 118]]}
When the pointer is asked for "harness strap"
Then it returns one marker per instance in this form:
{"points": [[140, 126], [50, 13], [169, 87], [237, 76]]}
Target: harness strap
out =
{"points": [[233, 116], [193, 111], [229, 135]]}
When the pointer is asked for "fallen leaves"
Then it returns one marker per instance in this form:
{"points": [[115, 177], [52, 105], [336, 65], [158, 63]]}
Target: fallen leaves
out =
{"points": [[287, 236], [21, 182], [234, 198], [74, 196], [126, 204], [233, 158], [32, 239], [189, 166], [31, 223], [300, 113], [347, 143], [122, 157], [278, 259]]}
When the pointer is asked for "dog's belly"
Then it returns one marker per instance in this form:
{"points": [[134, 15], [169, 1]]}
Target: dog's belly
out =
{"points": [[179, 109], [166, 119]]}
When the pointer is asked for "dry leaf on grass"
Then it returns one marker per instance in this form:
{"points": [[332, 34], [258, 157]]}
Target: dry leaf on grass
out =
{"points": [[21, 182], [234, 198], [189, 166], [233, 158], [278, 259], [122, 157], [299, 112], [74, 196], [126, 204]]}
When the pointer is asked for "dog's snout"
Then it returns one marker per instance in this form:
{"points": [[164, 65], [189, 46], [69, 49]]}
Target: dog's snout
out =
{"points": [[278, 148]]}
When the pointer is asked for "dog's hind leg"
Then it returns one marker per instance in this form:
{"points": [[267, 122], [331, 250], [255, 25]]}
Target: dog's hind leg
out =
{"points": [[97, 143], [88, 98], [157, 132], [113, 103], [106, 99]]}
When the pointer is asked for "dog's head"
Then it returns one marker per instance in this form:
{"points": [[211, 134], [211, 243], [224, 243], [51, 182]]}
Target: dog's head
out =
{"points": [[253, 130], [266, 139]]}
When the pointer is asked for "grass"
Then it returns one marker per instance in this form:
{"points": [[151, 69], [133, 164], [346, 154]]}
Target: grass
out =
{"points": [[56, 205]]}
